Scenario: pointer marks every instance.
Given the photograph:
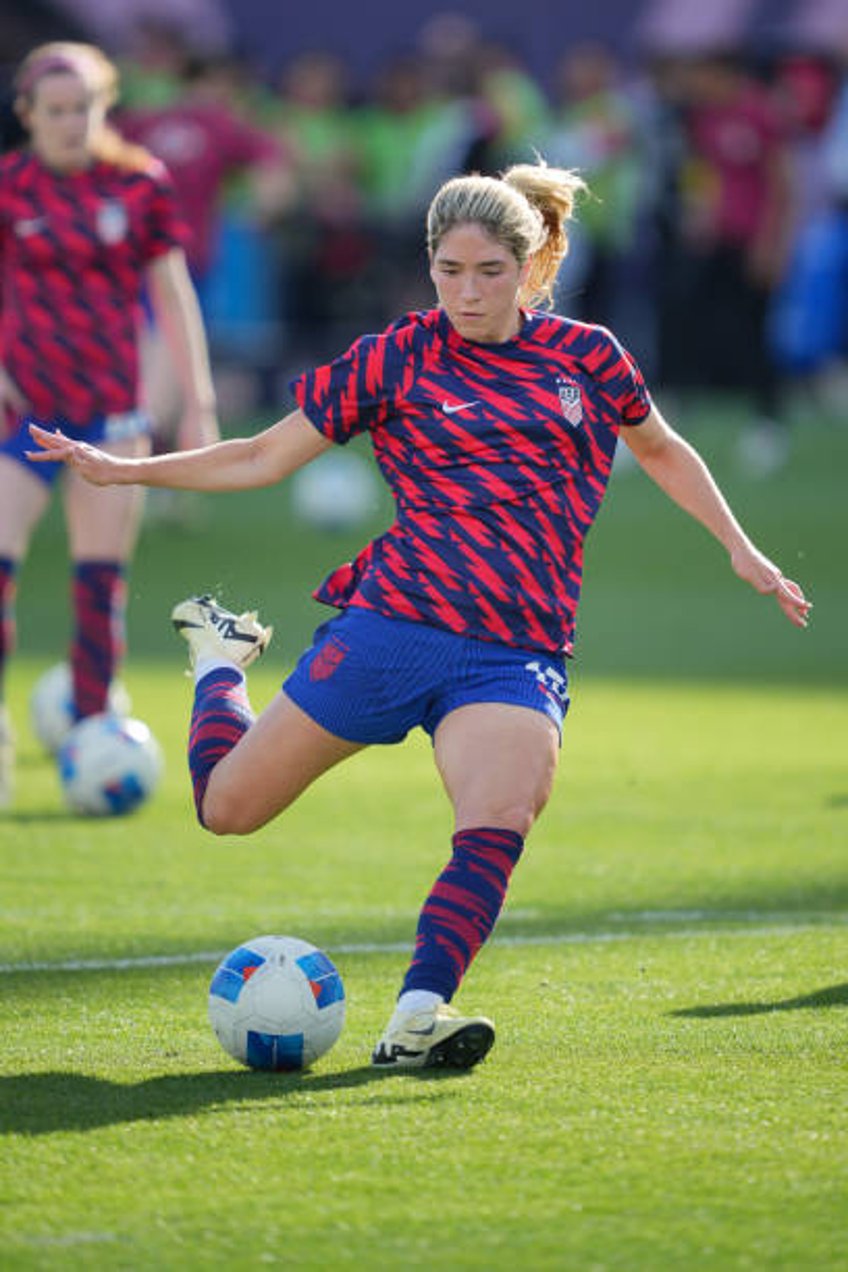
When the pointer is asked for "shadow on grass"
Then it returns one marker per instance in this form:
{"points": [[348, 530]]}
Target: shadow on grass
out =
{"points": [[833, 996], [42, 1103]]}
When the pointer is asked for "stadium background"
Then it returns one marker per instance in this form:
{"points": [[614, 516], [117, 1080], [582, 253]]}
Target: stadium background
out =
{"points": [[273, 29], [639, 548]]}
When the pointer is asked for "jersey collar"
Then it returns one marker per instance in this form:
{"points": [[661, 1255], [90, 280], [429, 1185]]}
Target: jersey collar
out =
{"points": [[455, 341]]}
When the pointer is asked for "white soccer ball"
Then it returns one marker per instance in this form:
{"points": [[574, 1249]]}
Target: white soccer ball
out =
{"points": [[108, 766], [277, 1002], [51, 706], [335, 492]]}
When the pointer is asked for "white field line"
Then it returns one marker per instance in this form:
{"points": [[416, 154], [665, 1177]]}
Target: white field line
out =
{"points": [[710, 923]]}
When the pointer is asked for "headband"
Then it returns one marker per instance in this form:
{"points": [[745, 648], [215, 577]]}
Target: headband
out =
{"points": [[49, 64]]}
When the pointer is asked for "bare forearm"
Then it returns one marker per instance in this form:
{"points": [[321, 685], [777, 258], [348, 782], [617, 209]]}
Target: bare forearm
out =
{"points": [[678, 469], [240, 463], [681, 473], [228, 465]]}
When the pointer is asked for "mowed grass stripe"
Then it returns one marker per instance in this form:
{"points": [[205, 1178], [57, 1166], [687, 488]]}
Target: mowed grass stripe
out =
{"points": [[714, 925]]}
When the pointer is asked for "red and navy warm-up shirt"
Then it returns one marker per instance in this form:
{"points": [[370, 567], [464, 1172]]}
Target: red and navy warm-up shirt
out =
{"points": [[498, 457], [73, 251]]}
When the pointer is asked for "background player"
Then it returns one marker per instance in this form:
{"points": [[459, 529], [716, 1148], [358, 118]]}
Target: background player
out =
{"points": [[85, 220], [495, 427]]}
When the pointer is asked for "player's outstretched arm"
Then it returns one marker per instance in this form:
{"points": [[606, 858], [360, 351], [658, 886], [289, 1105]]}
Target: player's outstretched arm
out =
{"points": [[679, 470], [239, 463]]}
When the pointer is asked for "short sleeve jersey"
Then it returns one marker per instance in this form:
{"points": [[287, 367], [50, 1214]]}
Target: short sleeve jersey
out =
{"points": [[498, 457], [73, 250]]}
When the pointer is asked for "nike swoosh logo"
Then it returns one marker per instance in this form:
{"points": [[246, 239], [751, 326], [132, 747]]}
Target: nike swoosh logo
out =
{"points": [[451, 408]]}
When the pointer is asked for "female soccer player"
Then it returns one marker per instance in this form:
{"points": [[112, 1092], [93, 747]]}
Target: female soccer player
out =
{"points": [[85, 221], [495, 426]]}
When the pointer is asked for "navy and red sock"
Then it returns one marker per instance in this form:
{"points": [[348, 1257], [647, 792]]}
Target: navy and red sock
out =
{"points": [[462, 908], [221, 715], [99, 595]]}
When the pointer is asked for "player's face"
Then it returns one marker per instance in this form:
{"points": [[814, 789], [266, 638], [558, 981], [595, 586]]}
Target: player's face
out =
{"points": [[477, 281], [61, 119]]}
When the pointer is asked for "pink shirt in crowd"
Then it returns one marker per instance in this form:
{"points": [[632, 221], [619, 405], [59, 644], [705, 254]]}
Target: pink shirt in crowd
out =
{"points": [[201, 144]]}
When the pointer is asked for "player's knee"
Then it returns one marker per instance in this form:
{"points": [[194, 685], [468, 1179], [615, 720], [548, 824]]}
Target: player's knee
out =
{"points": [[518, 817], [514, 814], [225, 814]]}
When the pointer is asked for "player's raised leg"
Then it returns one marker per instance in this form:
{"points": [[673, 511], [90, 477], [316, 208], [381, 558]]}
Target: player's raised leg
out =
{"points": [[245, 770]]}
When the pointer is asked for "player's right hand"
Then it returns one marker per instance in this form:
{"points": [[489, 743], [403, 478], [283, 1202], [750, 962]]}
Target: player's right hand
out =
{"points": [[92, 464]]}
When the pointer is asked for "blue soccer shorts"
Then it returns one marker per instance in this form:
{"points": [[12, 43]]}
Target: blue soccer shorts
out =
{"points": [[101, 430], [371, 679]]}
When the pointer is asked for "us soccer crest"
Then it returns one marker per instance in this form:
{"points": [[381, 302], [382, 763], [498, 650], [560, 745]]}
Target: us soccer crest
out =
{"points": [[112, 221], [570, 400], [327, 659]]}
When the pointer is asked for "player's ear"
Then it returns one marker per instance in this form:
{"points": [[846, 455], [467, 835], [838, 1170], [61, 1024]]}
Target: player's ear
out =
{"points": [[21, 107]]}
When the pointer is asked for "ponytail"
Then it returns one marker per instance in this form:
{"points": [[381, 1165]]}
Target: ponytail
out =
{"points": [[553, 193]]}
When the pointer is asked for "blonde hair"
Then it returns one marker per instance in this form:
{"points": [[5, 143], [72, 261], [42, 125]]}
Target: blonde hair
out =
{"points": [[525, 210], [99, 75]]}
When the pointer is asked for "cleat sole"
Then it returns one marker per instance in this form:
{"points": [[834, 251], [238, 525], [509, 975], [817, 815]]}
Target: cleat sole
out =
{"points": [[463, 1049]]}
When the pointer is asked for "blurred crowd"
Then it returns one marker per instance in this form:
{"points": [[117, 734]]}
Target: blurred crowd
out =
{"points": [[714, 241]]}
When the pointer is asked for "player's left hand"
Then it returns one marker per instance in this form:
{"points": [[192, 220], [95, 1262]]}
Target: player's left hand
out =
{"points": [[765, 577]]}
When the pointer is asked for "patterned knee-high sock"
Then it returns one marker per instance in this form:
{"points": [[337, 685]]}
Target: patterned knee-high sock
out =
{"points": [[8, 589], [462, 908], [221, 715], [99, 600]]}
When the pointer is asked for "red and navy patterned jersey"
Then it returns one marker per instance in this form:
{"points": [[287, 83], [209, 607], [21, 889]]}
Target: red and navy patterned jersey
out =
{"points": [[498, 457], [73, 251]]}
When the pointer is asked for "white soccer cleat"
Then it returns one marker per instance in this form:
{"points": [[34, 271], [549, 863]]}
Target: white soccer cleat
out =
{"points": [[214, 632], [438, 1038], [7, 757]]}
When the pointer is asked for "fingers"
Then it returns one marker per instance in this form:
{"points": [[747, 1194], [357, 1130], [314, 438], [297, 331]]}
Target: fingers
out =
{"points": [[45, 436], [792, 601], [54, 446], [766, 578], [48, 442], [768, 581]]}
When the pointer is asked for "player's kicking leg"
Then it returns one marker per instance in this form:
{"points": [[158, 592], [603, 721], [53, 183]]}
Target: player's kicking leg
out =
{"points": [[245, 769]]}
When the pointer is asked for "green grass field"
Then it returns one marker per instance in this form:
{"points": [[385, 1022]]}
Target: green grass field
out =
{"points": [[668, 979]]}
